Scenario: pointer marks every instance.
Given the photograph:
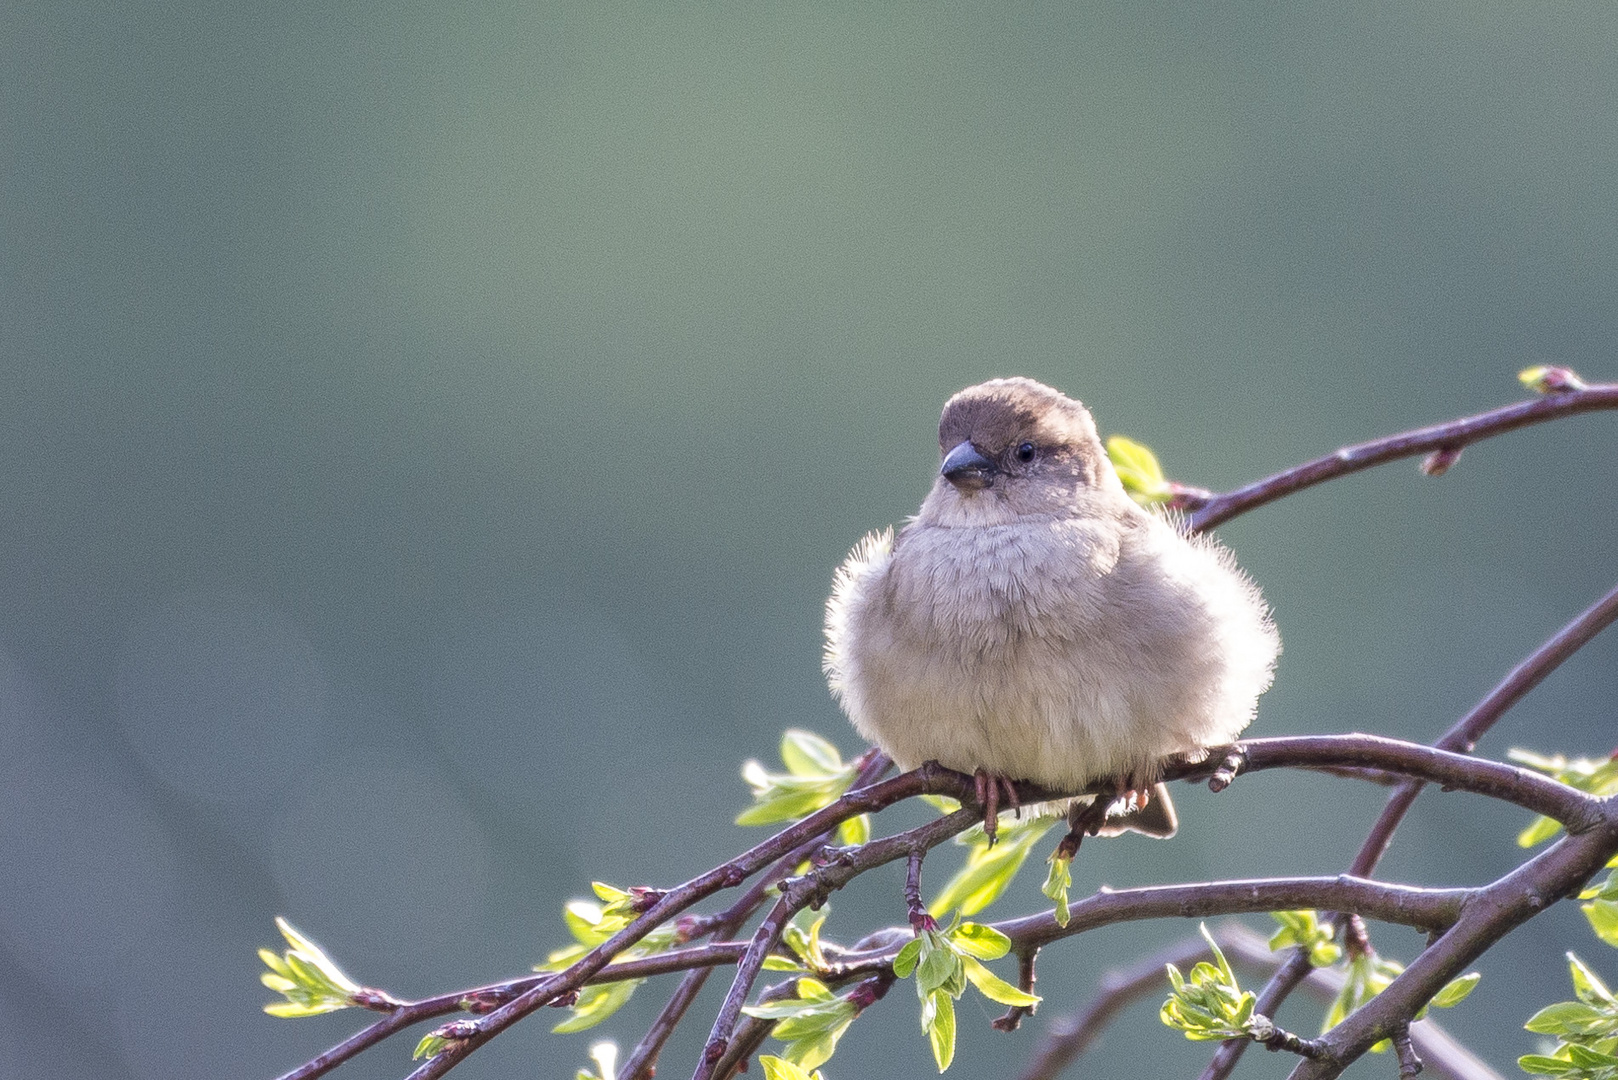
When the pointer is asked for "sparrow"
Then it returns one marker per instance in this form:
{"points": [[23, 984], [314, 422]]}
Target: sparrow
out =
{"points": [[1032, 622]]}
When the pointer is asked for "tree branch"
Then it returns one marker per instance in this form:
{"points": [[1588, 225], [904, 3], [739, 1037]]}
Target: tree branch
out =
{"points": [[1461, 737], [929, 779], [1465, 733], [1530, 790], [1452, 435], [1487, 917], [810, 889], [642, 1061], [1070, 1037]]}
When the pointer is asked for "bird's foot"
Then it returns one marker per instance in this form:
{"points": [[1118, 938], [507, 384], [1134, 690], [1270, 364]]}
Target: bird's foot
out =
{"points": [[1230, 766], [1083, 819], [988, 788]]}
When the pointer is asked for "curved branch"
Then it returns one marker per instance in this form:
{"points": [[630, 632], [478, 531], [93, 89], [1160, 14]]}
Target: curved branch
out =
{"points": [[1530, 790], [1461, 737], [1119, 988], [1466, 732], [1408, 905], [1490, 915], [929, 779], [1450, 436], [1432, 910]]}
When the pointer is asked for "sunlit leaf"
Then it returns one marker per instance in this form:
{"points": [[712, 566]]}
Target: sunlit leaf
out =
{"points": [[1456, 991], [1603, 916], [806, 754], [983, 942], [989, 871], [596, 1003], [941, 1030], [1138, 470], [855, 831], [993, 987], [311, 981], [1057, 880]]}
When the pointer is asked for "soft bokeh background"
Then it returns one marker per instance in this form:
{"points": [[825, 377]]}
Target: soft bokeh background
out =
{"points": [[428, 432]]}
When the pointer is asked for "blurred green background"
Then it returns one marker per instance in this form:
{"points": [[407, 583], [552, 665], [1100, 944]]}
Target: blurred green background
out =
{"points": [[429, 432]]}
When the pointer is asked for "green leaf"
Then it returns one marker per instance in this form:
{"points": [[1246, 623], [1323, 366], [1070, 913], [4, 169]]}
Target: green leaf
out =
{"points": [[1568, 1018], [1603, 916], [941, 1029], [995, 988], [431, 1045], [814, 990], [1586, 1058], [855, 831], [1588, 985], [1138, 470], [1607, 890], [1457, 991], [806, 754], [1540, 1065], [983, 942], [989, 871], [778, 1069], [816, 1051], [1219, 956], [596, 1003], [802, 936], [609, 894], [776, 962], [816, 776], [1057, 881], [938, 962], [905, 962], [1541, 830]]}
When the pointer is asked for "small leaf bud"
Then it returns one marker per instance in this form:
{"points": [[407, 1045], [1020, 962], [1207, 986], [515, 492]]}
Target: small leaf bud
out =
{"points": [[1548, 379]]}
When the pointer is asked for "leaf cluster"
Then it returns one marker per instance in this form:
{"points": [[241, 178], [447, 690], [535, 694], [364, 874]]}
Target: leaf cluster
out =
{"points": [[1370, 974], [944, 962], [591, 924], [1208, 1004], [816, 776], [989, 870], [1586, 1031], [1303, 930], [309, 980], [809, 1024]]}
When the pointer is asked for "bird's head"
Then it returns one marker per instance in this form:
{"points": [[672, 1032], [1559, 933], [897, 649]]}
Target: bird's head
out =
{"points": [[1016, 448]]}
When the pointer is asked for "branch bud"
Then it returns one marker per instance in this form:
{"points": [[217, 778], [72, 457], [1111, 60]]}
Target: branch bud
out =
{"points": [[1547, 379]]}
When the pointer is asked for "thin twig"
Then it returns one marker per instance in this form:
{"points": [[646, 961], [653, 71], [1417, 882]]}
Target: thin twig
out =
{"points": [[927, 779], [1454, 434], [801, 892], [1026, 979], [1463, 736], [642, 1061]]}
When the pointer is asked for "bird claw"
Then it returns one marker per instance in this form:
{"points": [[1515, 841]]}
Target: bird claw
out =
{"points": [[988, 789]]}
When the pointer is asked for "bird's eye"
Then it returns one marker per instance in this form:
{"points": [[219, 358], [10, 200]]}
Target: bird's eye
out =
{"points": [[1025, 452]]}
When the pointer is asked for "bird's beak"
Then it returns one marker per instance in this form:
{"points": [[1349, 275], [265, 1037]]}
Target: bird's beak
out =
{"points": [[967, 469]]}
